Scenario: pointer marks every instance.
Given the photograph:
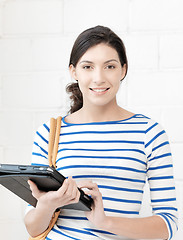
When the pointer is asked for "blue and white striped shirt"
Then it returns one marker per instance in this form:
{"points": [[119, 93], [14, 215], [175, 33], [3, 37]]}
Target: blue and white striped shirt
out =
{"points": [[119, 156]]}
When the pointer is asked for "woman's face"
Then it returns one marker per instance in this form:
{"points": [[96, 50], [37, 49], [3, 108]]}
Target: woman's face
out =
{"points": [[98, 73]]}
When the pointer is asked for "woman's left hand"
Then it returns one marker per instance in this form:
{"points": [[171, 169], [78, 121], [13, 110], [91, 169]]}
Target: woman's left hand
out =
{"points": [[97, 215]]}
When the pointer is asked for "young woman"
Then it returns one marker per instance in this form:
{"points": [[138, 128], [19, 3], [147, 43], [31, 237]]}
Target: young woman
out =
{"points": [[107, 151]]}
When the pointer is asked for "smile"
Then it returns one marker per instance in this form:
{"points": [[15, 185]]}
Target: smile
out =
{"points": [[99, 90]]}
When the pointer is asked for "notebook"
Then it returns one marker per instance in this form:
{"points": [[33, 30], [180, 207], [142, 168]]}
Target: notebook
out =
{"points": [[15, 177]]}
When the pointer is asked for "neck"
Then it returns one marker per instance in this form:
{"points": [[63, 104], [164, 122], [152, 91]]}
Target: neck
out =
{"points": [[102, 113]]}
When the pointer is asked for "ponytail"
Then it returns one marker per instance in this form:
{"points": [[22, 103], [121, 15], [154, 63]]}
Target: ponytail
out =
{"points": [[75, 97]]}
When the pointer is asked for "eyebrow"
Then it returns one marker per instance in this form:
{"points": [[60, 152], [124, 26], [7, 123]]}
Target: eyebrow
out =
{"points": [[111, 60]]}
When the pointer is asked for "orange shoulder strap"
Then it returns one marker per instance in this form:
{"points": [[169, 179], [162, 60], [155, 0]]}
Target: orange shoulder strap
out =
{"points": [[55, 127]]}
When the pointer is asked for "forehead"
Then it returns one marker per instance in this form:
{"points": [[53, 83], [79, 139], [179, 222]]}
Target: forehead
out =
{"points": [[99, 52]]}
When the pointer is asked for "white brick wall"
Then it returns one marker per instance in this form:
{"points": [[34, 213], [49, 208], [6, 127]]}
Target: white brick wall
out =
{"points": [[35, 41], [1, 19], [36, 90], [33, 17], [79, 15], [156, 15], [171, 54], [143, 50], [15, 55]]}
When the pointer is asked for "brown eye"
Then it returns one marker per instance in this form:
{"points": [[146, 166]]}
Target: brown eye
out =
{"points": [[87, 67], [110, 67]]}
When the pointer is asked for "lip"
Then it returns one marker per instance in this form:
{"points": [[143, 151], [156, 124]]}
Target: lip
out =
{"points": [[103, 88], [99, 91]]}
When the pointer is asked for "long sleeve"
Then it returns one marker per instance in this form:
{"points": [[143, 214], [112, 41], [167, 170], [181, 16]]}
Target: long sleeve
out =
{"points": [[40, 150], [160, 176], [40, 146]]}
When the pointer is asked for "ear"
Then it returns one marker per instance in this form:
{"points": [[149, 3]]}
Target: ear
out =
{"points": [[72, 71], [123, 73]]}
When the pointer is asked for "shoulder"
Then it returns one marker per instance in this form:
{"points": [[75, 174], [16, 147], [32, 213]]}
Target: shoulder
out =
{"points": [[149, 123], [152, 129], [155, 134], [44, 127], [42, 132]]}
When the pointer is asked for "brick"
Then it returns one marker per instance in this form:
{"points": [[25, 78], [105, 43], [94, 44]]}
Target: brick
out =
{"points": [[171, 51], [36, 90], [18, 155], [176, 149], [1, 154], [179, 234], [172, 120], [156, 15], [7, 207], [79, 16], [17, 229], [179, 193], [146, 88], [142, 51], [0, 90], [179, 190], [0, 98], [1, 25], [122, 94], [15, 55], [51, 53], [16, 128], [28, 17]]}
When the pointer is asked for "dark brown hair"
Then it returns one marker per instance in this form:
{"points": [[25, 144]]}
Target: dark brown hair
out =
{"points": [[87, 39]]}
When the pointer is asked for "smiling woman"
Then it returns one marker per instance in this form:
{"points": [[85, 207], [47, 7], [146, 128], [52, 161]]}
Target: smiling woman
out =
{"points": [[83, 55], [98, 73], [108, 151]]}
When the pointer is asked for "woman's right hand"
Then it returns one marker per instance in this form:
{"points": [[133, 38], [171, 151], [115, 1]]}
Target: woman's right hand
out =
{"points": [[68, 193]]}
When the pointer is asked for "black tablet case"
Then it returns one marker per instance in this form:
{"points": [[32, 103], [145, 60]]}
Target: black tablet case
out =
{"points": [[15, 177]]}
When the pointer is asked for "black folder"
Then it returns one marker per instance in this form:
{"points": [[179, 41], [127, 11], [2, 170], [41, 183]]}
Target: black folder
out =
{"points": [[15, 177]]}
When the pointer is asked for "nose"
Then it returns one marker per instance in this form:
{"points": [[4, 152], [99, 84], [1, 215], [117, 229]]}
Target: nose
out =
{"points": [[98, 77]]}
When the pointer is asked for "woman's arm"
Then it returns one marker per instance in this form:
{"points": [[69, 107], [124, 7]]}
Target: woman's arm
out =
{"points": [[138, 228], [37, 220], [148, 227]]}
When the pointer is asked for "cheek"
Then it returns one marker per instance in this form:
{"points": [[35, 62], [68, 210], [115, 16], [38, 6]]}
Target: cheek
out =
{"points": [[83, 84], [82, 76]]}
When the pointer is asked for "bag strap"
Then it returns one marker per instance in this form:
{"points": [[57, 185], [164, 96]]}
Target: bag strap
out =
{"points": [[55, 127]]}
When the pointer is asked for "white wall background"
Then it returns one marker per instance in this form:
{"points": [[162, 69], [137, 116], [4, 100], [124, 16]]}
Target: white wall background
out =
{"points": [[36, 37]]}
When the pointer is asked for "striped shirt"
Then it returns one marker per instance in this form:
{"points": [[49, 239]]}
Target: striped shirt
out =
{"points": [[119, 156]]}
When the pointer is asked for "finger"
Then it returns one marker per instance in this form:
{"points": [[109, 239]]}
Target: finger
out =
{"points": [[88, 184], [83, 184], [64, 187], [76, 198], [67, 187], [72, 189], [34, 189], [32, 185], [94, 194]]}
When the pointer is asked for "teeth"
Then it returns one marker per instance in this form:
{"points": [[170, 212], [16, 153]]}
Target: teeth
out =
{"points": [[99, 90]]}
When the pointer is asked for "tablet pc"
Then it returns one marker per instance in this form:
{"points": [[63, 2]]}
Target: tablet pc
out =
{"points": [[15, 177]]}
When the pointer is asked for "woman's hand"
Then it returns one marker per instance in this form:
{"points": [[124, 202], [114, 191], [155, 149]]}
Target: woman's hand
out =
{"points": [[97, 215], [68, 193]]}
